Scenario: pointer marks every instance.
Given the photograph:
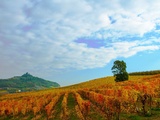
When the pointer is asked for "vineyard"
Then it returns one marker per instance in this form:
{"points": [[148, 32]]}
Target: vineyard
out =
{"points": [[101, 99]]}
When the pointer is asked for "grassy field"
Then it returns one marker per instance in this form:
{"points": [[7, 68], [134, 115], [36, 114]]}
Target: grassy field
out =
{"points": [[99, 99]]}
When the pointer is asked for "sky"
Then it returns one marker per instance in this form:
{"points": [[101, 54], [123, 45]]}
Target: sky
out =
{"points": [[72, 41]]}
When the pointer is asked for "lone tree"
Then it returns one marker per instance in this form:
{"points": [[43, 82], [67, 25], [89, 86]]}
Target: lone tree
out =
{"points": [[119, 71]]}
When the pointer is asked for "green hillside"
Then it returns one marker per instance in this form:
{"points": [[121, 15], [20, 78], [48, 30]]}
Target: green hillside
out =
{"points": [[26, 82]]}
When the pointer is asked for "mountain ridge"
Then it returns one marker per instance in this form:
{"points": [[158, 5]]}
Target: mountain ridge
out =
{"points": [[26, 82]]}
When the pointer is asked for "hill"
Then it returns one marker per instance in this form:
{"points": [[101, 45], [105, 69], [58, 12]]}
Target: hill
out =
{"points": [[100, 82], [152, 72], [133, 76], [26, 82], [99, 99]]}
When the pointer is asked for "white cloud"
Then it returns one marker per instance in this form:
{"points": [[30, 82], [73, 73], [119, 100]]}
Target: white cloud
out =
{"points": [[134, 25], [127, 49], [39, 35], [104, 20], [11, 14]]}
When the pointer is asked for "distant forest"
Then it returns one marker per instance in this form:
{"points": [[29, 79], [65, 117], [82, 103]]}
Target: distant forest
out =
{"points": [[153, 72]]}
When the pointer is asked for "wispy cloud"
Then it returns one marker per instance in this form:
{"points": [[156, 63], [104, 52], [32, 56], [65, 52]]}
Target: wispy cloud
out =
{"points": [[53, 35]]}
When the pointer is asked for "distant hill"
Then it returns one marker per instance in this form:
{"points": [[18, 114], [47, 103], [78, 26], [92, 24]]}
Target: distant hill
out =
{"points": [[151, 72], [26, 82]]}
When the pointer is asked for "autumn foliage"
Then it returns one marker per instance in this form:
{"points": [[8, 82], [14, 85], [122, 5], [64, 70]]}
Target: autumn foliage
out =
{"points": [[137, 96]]}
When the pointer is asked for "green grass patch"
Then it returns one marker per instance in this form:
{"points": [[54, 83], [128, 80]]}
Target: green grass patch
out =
{"points": [[135, 117], [71, 106], [58, 109]]}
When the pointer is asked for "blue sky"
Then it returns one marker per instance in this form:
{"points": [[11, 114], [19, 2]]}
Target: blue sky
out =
{"points": [[71, 41]]}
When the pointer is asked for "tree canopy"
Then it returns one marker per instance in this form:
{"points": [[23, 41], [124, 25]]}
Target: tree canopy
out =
{"points": [[119, 71]]}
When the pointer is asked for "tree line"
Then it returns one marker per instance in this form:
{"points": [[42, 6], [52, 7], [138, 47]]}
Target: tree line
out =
{"points": [[152, 72]]}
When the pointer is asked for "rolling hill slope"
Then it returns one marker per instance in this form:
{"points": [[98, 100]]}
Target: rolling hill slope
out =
{"points": [[134, 76], [99, 99]]}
